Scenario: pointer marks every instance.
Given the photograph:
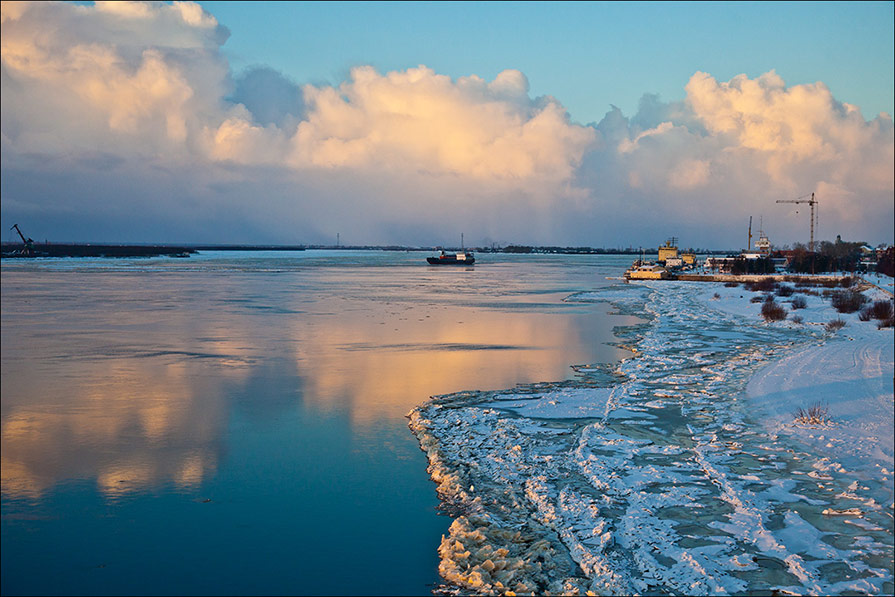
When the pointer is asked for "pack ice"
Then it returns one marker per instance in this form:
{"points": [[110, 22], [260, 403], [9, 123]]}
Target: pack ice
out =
{"points": [[680, 470]]}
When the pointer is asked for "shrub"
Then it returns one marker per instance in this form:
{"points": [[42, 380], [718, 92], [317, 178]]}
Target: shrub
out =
{"points": [[816, 414], [771, 311], [846, 282], [799, 302], [784, 290], [835, 324], [763, 285], [731, 284], [847, 301], [888, 323], [757, 299], [796, 319], [881, 310], [716, 296], [864, 315]]}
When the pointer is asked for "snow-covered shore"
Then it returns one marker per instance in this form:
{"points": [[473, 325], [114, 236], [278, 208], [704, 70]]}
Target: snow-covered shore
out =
{"points": [[681, 469]]}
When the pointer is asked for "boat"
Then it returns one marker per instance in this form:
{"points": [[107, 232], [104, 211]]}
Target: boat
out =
{"points": [[452, 259], [646, 271]]}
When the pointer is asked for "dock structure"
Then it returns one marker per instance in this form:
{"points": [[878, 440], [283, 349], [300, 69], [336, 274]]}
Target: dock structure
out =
{"points": [[95, 250]]}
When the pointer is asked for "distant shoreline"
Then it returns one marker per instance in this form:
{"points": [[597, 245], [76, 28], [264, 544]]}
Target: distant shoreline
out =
{"points": [[14, 250]]}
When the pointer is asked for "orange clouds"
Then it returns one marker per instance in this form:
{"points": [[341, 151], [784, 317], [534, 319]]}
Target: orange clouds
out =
{"points": [[419, 120], [148, 83], [99, 85], [116, 76]]}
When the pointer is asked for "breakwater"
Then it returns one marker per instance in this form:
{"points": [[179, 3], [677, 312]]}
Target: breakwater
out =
{"points": [[95, 250]]}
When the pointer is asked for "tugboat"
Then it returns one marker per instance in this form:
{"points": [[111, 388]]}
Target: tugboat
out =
{"points": [[452, 259]]}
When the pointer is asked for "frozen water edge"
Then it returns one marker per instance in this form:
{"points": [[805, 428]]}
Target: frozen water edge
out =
{"points": [[665, 475]]}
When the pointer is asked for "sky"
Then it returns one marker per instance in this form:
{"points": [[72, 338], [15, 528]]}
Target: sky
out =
{"points": [[599, 124]]}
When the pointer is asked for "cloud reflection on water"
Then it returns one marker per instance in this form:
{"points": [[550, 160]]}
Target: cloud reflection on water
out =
{"points": [[133, 386]]}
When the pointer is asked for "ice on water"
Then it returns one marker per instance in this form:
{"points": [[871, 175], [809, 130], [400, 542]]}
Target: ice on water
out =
{"points": [[664, 475]]}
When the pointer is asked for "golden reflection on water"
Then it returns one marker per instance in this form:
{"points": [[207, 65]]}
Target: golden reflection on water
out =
{"points": [[131, 425], [385, 365], [155, 408]]}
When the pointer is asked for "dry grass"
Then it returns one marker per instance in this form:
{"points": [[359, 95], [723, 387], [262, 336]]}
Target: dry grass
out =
{"points": [[834, 325], [816, 414]]}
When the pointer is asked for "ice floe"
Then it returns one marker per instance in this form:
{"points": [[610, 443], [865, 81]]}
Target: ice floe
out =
{"points": [[679, 470]]}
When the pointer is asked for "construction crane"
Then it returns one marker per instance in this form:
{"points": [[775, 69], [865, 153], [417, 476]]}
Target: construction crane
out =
{"points": [[812, 202], [29, 243]]}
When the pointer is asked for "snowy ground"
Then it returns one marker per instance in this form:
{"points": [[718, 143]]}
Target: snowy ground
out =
{"points": [[680, 470]]}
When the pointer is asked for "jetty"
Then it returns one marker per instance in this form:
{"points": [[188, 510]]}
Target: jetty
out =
{"points": [[34, 250]]}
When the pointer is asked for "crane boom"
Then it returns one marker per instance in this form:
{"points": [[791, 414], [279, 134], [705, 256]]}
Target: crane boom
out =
{"points": [[812, 202], [22, 236], [28, 249]]}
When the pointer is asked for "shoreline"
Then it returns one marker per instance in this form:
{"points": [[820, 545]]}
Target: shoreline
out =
{"points": [[546, 535]]}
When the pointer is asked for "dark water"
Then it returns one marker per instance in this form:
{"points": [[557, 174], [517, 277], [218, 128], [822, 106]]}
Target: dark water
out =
{"points": [[234, 423]]}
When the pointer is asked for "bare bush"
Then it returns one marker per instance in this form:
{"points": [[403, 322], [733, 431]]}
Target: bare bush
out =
{"points": [[757, 299], [881, 310], [816, 414], [785, 290], [772, 311], [763, 285], [799, 302], [847, 282], [864, 315], [796, 319], [835, 324], [731, 284], [887, 323], [847, 301]]}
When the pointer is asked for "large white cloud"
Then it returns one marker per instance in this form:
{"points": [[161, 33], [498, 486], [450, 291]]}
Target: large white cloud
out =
{"points": [[91, 94], [420, 120], [731, 149], [150, 78]]}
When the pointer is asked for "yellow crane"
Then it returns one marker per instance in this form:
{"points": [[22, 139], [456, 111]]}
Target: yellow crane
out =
{"points": [[810, 200]]}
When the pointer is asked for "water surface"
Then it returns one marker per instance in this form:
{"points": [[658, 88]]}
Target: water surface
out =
{"points": [[235, 422]]}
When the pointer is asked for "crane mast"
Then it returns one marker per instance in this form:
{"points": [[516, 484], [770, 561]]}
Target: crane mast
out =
{"points": [[749, 242], [812, 202]]}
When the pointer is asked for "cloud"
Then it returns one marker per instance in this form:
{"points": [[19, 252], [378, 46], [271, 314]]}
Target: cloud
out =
{"points": [[135, 78], [731, 149], [134, 106], [419, 121]]}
